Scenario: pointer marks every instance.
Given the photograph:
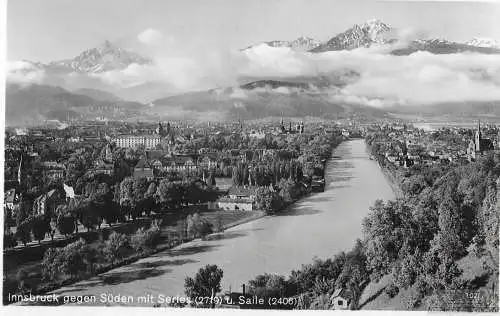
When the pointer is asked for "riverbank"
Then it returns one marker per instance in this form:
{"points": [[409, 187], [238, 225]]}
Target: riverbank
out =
{"points": [[388, 174], [393, 182]]}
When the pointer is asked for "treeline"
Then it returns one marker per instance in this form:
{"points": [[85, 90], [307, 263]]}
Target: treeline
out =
{"points": [[267, 173], [100, 203], [281, 182]]}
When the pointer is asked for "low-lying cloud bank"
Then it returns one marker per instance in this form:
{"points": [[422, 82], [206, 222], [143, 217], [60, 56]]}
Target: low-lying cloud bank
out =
{"points": [[384, 79], [22, 72]]}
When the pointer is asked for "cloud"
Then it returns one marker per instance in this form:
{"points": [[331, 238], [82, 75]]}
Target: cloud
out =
{"points": [[385, 79], [238, 94], [150, 37], [181, 72], [262, 60], [22, 72]]}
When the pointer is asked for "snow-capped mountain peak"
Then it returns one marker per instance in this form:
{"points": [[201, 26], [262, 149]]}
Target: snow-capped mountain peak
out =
{"points": [[483, 42], [301, 43], [374, 28], [372, 31], [106, 56]]}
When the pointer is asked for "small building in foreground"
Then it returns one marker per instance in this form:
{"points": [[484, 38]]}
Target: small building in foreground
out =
{"points": [[340, 299]]}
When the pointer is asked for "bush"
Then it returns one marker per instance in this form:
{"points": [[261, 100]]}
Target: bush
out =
{"points": [[21, 277], [114, 246], [51, 263], [145, 240], [71, 260], [422, 287], [391, 290], [205, 229], [411, 300], [218, 223]]}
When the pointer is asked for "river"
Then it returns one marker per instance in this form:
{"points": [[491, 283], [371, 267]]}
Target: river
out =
{"points": [[319, 225]]}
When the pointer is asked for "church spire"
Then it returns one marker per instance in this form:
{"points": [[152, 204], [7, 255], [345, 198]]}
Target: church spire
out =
{"points": [[477, 137]]}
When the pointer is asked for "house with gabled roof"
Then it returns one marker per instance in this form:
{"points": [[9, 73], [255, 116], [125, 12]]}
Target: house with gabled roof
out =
{"points": [[47, 202], [340, 299]]}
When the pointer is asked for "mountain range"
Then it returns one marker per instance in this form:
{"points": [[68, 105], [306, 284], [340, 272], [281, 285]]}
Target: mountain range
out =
{"points": [[28, 105], [104, 57], [257, 96], [263, 98], [301, 44], [376, 32]]}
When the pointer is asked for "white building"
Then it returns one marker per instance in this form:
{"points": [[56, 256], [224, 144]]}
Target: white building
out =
{"points": [[130, 141], [340, 299]]}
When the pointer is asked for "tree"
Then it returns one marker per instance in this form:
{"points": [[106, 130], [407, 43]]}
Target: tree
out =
{"points": [[448, 238], [65, 224], [287, 190], [181, 229], [269, 201], [168, 193], [193, 225], [236, 174], [193, 193], [413, 185], [39, 227], [149, 200], [24, 211], [127, 201], [386, 229], [71, 260], [89, 216], [268, 285], [219, 225], [114, 246], [145, 240], [211, 180], [206, 283], [354, 273], [140, 187], [23, 232]]}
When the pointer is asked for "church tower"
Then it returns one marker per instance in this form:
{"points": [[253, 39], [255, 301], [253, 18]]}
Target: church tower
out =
{"points": [[168, 128], [108, 154], [477, 137], [160, 131], [282, 124]]}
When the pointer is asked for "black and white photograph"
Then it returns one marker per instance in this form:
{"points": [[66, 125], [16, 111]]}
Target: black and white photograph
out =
{"points": [[251, 154]]}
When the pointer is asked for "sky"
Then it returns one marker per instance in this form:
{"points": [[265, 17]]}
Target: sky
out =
{"points": [[48, 30]]}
